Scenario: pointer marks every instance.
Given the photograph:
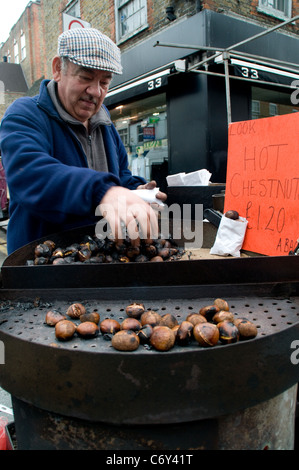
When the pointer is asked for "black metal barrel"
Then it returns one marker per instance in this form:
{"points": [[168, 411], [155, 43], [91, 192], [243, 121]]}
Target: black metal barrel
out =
{"points": [[83, 394]]}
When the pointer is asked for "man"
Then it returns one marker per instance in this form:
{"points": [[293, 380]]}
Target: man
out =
{"points": [[63, 157]]}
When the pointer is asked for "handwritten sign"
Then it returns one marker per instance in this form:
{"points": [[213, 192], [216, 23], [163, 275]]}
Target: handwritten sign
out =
{"points": [[263, 182]]}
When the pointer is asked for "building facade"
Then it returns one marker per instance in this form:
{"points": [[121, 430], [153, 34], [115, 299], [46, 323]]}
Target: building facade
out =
{"points": [[190, 68]]}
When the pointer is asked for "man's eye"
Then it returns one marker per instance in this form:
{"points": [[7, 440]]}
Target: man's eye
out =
{"points": [[85, 77]]}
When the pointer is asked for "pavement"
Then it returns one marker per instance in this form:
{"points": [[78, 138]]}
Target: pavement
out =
{"points": [[5, 398]]}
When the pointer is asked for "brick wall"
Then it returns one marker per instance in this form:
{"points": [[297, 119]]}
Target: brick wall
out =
{"points": [[42, 24], [8, 99], [52, 19], [250, 10], [30, 24]]}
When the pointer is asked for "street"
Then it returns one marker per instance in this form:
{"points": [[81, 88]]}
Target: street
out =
{"points": [[5, 399]]}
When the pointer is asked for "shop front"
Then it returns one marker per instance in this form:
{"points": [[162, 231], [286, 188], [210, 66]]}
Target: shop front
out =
{"points": [[171, 104]]}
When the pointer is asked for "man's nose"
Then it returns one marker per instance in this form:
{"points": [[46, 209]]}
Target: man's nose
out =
{"points": [[94, 89]]}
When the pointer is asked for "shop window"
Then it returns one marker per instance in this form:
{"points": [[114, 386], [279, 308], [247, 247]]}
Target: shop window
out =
{"points": [[267, 103], [142, 126], [278, 8], [256, 109], [273, 109], [139, 134], [124, 136], [131, 18]]}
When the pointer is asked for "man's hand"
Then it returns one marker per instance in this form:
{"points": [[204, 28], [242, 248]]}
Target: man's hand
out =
{"points": [[152, 185], [120, 205]]}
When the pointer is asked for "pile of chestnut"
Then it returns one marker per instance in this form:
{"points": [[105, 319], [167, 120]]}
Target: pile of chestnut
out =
{"points": [[95, 250], [213, 324]]}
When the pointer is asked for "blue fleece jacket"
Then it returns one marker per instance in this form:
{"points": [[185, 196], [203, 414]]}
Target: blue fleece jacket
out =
{"points": [[51, 188]]}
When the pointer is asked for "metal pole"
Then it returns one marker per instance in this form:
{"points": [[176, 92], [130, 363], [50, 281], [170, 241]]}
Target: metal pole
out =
{"points": [[227, 88], [226, 58], [256, 36], [225, 53]]}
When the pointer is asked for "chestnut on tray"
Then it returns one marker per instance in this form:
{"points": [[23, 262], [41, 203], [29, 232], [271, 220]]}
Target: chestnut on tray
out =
{"points": [[213, 325], [94, 250]]}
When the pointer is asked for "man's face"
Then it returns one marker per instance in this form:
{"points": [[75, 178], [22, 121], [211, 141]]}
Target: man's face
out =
{"points": [[81, 90]]}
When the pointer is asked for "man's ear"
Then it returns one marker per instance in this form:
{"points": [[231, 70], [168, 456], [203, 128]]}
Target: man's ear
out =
{"points": [[56, 68]]}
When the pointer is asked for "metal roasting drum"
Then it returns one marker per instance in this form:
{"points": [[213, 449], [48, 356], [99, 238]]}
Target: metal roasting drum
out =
{"points": [[89, 381]]}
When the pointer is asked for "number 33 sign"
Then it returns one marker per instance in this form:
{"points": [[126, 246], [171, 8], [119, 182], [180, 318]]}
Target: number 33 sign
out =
{"points": [[262, 182]]}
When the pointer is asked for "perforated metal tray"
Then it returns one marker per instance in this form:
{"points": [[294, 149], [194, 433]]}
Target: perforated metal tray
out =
{"points": [[89, 379]]}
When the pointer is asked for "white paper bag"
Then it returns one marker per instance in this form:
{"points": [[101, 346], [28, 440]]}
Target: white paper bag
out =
{"points": [[175, 180], [197, 178], [229, 237], [149, 195]]}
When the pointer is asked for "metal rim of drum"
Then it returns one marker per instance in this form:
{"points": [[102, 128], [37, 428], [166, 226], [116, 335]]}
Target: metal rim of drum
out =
{"points": [[184, 384]]}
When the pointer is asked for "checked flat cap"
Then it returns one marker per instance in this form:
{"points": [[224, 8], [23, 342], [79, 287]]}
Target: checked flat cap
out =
{"points": [[90, 48]]}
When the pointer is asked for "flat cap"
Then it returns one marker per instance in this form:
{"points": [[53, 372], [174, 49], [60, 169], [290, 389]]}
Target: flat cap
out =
{"points": [[90, 48]]}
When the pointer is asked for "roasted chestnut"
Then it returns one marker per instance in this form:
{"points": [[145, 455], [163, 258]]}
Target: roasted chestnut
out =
{"points": [[87, 329], [53, 317], [141, 258], [223, 315], [232, 215], [91, 317], [40, 260], [246, 329], [123, 259], [156, 259], [133, 251], [175, 329], [95, 250], [184, 333], [150, 317], [43, 250], [163, 252], [206, 334], [131, 324], [237, 320], [145, 333], [109, 325], [50, 244], [135, 310], [57, 261], [84, 253], [228, 332], [162, 338], [169, 320], [125, 340], [71, 250], [150, 250], [65, 330], [195, 318], [222, 304], [121, 248], [76, 310], [209, 311], [58, 253]]}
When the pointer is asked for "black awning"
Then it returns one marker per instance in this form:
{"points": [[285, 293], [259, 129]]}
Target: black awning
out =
{"points": [[141, 85], [259, 72]]}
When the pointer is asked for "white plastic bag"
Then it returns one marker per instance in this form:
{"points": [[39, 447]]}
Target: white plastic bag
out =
{"points": [[230, 236]]}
